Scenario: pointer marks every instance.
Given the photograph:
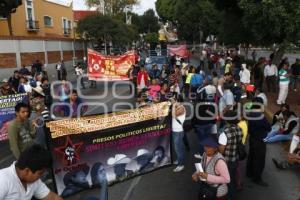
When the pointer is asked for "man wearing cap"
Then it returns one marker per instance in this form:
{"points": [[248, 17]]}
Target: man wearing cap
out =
{"points": [[215, 172], [5, 88]]}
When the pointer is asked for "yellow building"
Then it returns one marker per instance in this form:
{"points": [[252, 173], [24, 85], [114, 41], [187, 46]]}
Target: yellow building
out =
{"points": [[41, 19]]}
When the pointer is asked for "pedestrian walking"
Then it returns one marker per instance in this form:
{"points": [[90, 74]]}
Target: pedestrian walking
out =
{"points": [[295, 68]]}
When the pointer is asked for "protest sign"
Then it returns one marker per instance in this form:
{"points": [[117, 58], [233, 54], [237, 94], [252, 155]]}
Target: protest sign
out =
{"points": [[107, 149], [109, 68], [7, 111]]}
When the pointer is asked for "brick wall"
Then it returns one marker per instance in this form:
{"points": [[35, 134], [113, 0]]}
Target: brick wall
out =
{"points": [[68, 55], [29, 58], [53, 56], [8, 60]]}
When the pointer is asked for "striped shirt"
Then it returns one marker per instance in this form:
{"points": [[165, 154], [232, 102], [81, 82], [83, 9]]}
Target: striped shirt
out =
{"points": [[282, 78]]}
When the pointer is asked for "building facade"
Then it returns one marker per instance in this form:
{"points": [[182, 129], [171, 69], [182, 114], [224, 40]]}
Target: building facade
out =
{"points": [[42, 30], [41, 18]]}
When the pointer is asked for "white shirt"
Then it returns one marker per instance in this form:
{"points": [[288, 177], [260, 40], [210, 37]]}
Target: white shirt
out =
{"points": [[12, 188], [177, 127], [245, 76], [223, 139], [271, 70]]}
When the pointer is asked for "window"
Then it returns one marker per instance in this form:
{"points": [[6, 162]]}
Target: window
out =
{"points": [[69, 24], [29, 10], [48, 21]]}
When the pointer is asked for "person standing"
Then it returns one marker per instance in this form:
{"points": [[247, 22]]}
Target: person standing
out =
{"points": [[258, 128], [21, 132], [295, 74], [284, 80], [271, 73], [63, 71], [254, 54], [142, 78], [245, 74], [258, 73], [226, 102], [59, 69], [229, 140], [80, 75], [178, 118], [215, 172]]}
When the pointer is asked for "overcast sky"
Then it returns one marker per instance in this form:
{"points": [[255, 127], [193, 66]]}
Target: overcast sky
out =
{"points": [[140, 9]]}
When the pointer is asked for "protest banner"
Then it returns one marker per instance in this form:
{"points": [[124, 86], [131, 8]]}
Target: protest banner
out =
{"points": [[7, 111], [109, 68], [107, 149], [180, 50]]}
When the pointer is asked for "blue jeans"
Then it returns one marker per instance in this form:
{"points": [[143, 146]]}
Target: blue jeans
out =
{"points": [[179, 146], [203, 131], [275, 136]]}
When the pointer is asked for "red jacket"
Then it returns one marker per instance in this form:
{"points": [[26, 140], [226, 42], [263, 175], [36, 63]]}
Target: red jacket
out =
{"points": [[139, 77]]}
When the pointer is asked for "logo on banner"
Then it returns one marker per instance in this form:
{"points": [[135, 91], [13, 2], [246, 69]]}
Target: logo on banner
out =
{"points": [[70, 152]]}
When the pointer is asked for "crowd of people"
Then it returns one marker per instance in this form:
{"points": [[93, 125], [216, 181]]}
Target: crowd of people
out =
{"points": [[228, 100], [221, 88]]}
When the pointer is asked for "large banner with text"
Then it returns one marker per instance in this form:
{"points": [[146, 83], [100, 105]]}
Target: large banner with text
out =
{"points": [[109, 68], [7, 111], [102, 150]]}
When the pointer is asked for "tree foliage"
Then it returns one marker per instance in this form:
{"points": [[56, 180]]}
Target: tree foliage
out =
{"points": [[191, 16], [146, 23], [7, 7], [112, 6], [272, 21], [103, 28]]}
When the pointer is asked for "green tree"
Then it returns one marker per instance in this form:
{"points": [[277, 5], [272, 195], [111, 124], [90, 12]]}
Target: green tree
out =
{"points": [[151, 38], [272, 21], [166, 9], [102, 29], [7, 7], [111, 6], [149, 22], [191, 16]]}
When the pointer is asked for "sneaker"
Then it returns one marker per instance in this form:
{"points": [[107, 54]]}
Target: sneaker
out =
{"points": [[175, 162], [198, 156], [179, 168]]}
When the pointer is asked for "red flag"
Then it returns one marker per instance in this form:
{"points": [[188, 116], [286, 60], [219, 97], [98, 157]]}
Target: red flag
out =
{"points": [[109, 68]]}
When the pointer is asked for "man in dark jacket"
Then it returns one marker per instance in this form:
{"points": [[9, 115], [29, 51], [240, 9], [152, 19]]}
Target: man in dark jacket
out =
{"points": [[258, 73], [258, 128], [295, 68]]}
